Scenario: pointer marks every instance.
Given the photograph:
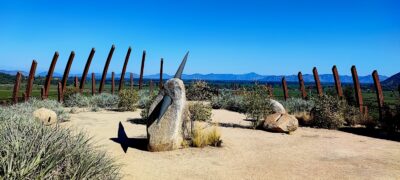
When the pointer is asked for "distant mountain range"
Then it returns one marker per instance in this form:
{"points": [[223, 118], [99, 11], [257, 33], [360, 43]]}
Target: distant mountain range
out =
{"points": [[325, 78], [393, 81]]}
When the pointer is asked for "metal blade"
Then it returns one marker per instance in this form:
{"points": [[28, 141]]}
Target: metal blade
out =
{"points": [[166, 102], [178, 73]]}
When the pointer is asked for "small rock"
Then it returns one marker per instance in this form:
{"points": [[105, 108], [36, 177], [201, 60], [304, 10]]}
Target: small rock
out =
{"points": [[277, 107], [283, 123], [46, 116]]}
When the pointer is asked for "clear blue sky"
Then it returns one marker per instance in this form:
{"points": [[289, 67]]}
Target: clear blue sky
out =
{"points": [[266, 37]]}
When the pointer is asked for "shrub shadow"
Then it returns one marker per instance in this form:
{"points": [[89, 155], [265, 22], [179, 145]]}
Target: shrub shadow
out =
{"points": [[125, 142], [233, 125], [374, 133]]}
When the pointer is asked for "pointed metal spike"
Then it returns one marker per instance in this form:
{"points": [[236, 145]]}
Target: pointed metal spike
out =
{"points": [[181, 67], [166, 102]]}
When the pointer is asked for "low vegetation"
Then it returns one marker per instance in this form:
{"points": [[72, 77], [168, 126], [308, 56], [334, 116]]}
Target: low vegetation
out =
{"points": [[128, 99], [199, 91], [206, 136], [200, 111], [256, 104]]}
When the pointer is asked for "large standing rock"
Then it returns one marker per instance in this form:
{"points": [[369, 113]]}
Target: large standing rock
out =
{"points": [[283, 123], [167, 133], [277, 107], [46, 116]]}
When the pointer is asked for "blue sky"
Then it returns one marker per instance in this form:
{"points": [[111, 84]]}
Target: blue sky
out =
{"points": [[266, 37]]}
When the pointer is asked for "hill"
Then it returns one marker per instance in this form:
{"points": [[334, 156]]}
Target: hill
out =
{"points": [[392, 82]]}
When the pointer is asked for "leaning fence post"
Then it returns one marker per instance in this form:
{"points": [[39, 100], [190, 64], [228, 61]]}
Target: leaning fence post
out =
{"points": [[317, 81], [60, 92], [379, 94], [31, 77], [357, 88], [112, 82], [142, 70], [93, 84], [338, 85], [45, 93], [16, 87], [302, 87], [131, 79], [271, 91], [151, 87], [122, 79], [76, 83], [161, 73], [67, 69], [285, 89], [104, 76], [86, 70]]}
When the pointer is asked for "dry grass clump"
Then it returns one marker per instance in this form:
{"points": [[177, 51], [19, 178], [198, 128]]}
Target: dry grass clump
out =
{"points": [[206, 136]]}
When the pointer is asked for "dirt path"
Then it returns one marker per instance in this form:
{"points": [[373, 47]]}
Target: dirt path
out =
{"points": [[246, 154]]}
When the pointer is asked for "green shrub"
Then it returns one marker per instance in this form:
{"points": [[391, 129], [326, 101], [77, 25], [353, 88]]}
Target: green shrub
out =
{"points": [[145, 102], [30, 150], [257, 103], [298, 105], [199, 91], [69, 91], [217, 102], [128, 99], [77, 100], [33, 104], [328, 112], [391, 118], [228, 100], [200, 111], [105, 100]]}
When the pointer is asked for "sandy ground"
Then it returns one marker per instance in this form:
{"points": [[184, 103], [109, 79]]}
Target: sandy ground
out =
{"points": [[246, 154]]}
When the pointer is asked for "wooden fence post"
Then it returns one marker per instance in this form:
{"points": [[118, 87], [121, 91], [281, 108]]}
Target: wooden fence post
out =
{"points": [[131, 79], [112, 82], [76, 83], [60, 92], [302, 87], [86, 70], [161, 73], [357, 88], [17, 83], [338, 84], [66, 71], [93, 84], [104, 76], [317, 81], [285, 89], [28, 92], [379, 94], [122, 79], [271, 91], [45, 92], [142, 70], [151, 87]]}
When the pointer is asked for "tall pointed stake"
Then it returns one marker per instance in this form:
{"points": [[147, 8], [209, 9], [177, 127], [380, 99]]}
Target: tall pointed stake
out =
{"points": [[28, 92], [338, 84], [142, 70], [60, 92], [285, 89], [93, 84], [151, 87], [379, 93], [67, 69], [76, 83], [122, 79], [16, 87], [161, 73], [131, 79], [302, 87], [86, 70], [317, 81], [104, 76], [357, 88], [49, 76], [112, 82]]}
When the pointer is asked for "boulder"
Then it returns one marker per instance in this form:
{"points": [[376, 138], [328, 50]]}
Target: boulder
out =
{"points": [[46, 116], [283, 123], [167, 133], [277, 107]]}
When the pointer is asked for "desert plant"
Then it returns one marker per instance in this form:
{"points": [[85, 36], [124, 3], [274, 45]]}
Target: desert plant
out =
{"points": [[217, 102], [204, 136], [200, 111], [30, 150], [298, 105], [228, 100], [105, 100], [391, 118], [328, 112], [69, 91], [128, 99], [199, 91], [145, 102], [257, 103], [77, 100]]}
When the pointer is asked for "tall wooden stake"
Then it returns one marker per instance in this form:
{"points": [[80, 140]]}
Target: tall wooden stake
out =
{"points": [[86, 70], [45, 92], [104, 76], [76, 83], [338, 85], [357, 88], [142, 70], [302, 87], [285, 89], [60, 92], [161, 73], [151, 87], [93, 84], [16, 87], [112, 82], [379, 93], [317, 81], [67, 69], [131, 79], [122, 79], [28, 92]]}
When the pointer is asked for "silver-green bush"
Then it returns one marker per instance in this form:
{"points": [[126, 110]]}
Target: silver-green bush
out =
{"points": [[105, 100], [128, 99], [77, 100], [298, 105]]}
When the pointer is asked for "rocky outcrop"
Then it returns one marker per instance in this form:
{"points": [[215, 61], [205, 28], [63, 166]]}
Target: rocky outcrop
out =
{"points": [[277, 107], [283, 123], [46, 116]]}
